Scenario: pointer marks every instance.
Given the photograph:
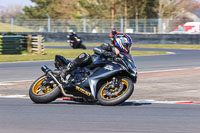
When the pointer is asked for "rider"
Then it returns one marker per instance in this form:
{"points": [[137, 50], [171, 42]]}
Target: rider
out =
{"points": [[74, 40], [122, 43], [112, 34]]}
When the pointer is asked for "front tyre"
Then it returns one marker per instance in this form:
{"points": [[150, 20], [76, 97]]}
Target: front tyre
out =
{"points": [[114, 96], [44, 90]]}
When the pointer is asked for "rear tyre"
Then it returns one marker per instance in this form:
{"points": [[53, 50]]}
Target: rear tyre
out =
{"points": [[40, 93], [109, 97]]}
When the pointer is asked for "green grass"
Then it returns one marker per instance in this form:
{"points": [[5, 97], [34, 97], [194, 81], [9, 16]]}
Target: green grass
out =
{"points": [[67, 53], [7, 28], [170, 46], [67, 44], [73, 53]]}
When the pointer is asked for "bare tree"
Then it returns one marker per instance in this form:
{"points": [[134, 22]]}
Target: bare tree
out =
{"points": [[10, 11]]}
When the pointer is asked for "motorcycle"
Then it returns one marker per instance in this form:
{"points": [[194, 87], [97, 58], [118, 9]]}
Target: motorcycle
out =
{"points": [[76, 42], [105, 81]]}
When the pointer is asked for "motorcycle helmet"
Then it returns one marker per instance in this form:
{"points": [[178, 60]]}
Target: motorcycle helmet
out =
{"points": [[123, 42], [72, 33], [114, 32]]}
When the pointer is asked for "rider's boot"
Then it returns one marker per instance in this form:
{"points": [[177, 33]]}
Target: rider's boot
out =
{"points": [[67, 69]]}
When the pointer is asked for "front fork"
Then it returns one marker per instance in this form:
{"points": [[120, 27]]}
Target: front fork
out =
{"points": [[115, 82]]}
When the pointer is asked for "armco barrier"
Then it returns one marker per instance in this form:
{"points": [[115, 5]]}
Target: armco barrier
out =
{"points": [[137, 38]]}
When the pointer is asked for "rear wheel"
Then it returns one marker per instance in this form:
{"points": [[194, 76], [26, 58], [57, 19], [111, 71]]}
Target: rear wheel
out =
{"points": [[83, 46], [44, 90], [114, 96]]}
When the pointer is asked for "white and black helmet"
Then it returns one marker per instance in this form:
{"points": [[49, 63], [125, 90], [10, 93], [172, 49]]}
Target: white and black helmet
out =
{"points": [[123, 42]]}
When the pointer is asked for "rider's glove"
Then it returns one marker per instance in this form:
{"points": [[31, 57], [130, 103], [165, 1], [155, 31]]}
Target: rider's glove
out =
{"points": [[109, 54]]}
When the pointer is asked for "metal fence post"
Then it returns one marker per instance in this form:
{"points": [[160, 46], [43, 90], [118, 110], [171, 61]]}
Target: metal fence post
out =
{"points": [[12, 24], [49, 22], [160, 25], [122, 23], [84, 23]]}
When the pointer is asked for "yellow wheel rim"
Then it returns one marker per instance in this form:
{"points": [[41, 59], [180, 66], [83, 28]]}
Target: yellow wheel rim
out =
{"points": [[124, 90], [36, 89]]}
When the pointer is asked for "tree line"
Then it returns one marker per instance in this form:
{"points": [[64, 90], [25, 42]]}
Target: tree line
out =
{"points": [[108, 9], [101, 9]]}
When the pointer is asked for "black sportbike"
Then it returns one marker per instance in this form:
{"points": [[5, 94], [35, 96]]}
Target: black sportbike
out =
{"points": [[107, 81], [75, 42]]}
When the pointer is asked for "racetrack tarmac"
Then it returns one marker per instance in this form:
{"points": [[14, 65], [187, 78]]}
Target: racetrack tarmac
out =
{"points": [[171, 85], [22, 116]]}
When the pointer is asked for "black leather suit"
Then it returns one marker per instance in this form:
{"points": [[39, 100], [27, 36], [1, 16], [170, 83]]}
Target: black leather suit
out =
{"points": [[74, 40], [105, 50]]}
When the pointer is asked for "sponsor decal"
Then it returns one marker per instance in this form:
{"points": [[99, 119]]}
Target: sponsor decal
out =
{"points": [[108, 67], [82, 91]]}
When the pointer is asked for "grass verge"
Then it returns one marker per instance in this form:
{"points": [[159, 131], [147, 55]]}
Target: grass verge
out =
{"points": [[170, 46], [67, 44], [67, 53], [7, 28]]}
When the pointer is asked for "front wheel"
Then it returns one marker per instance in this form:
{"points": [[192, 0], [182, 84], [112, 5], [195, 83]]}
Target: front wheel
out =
{"points": [[44, 90], [113, 96]]}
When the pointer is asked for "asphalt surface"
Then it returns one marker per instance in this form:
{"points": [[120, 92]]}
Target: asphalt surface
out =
{"points": [[21, 115]]}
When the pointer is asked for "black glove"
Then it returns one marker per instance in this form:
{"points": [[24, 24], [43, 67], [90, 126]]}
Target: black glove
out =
{"points": [[109, 54], [106, 46]]}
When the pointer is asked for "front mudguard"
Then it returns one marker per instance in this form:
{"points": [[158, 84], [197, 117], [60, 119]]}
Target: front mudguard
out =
{"points": [[132, 76]]}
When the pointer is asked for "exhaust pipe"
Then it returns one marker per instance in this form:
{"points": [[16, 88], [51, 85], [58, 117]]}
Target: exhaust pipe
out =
{"points": [[48, 72], [45, 69]]}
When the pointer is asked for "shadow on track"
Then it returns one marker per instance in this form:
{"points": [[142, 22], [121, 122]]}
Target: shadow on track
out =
{"points": [[79, 103]]}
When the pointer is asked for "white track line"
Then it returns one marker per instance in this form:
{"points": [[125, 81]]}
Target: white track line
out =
{"points": [[161, 102], [4, 83], [179, 69], [25, 61], [13, 96]]}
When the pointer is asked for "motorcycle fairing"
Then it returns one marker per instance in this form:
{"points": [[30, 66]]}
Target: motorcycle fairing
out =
{"points": [[79, 91], [103, 73]]}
